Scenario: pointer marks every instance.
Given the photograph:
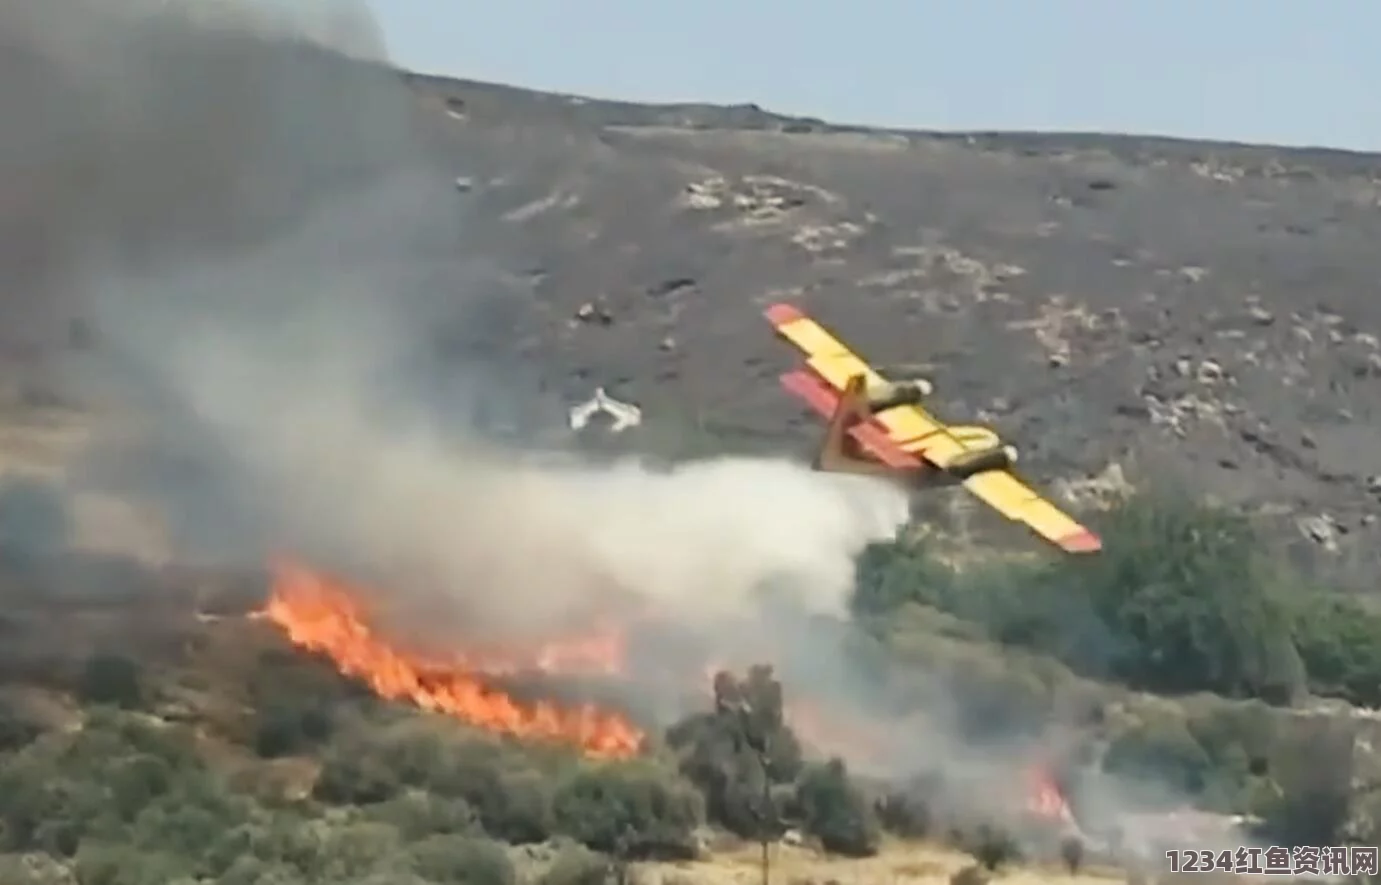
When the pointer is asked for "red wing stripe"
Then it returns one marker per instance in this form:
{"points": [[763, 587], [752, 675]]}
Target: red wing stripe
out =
{"points": [[781, 313], [1083, 541], [823, 399]]}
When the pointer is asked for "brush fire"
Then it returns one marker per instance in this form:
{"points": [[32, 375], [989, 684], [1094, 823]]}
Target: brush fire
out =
{"points": [[328, 616]]}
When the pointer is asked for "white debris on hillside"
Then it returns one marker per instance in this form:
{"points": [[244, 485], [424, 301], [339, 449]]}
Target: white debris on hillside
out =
{"points": [[623, 415]]}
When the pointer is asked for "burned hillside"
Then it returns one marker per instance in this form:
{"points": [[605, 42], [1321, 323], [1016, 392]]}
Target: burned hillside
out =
{"points": [[301, 581]]}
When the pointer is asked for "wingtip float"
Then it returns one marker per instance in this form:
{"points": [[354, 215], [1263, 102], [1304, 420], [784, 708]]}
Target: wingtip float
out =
{"points": [[878, 427]]}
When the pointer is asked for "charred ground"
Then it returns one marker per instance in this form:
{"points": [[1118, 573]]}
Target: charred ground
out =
{"points": [[1198, 313], [1194, 314]]}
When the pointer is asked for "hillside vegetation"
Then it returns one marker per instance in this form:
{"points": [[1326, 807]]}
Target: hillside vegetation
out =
{"points": [[148, 778]]}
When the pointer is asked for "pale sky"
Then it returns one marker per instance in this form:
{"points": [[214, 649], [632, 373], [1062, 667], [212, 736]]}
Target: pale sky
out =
{"points": [[1279, 71]]}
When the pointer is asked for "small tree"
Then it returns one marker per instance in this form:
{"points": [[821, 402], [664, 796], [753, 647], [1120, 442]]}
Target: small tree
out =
{"points": [[835, 812], [728, 753], [1072, 853]]}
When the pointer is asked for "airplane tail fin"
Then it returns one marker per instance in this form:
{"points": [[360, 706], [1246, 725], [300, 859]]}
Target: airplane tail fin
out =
{"points": [[852, 442], [839, 450]]}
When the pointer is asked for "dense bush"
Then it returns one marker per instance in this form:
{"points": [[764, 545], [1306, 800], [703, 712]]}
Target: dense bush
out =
{"points": [[630, 809], [1339, 640], [293, 699], [403, 798], [576, 865], [834, 811], [126, 800], [1183, 598]]}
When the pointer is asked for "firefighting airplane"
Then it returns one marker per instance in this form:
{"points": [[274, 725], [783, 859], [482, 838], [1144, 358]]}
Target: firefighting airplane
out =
{"points": [[879, 428]]}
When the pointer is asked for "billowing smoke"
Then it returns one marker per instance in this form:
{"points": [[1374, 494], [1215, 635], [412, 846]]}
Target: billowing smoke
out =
{"points": [[276, 293], [278, 275]]}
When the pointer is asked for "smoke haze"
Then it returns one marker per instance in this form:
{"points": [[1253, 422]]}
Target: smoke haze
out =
{"points": [[278, 274], [273, 266]]}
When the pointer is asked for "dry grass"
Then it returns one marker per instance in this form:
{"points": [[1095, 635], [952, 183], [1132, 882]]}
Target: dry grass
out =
{"points": [[897, 863]]}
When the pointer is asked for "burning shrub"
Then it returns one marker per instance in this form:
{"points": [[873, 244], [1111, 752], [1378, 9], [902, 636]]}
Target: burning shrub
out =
{"points": [[836, 812], [630, 809]]}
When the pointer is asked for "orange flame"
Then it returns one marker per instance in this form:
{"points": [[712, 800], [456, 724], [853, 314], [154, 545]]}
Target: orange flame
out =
{"points": [[324, 615], [1044, 799]]}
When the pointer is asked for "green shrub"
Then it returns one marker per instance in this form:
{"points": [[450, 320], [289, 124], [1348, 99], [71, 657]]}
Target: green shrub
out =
{"points": [[1160, 750], [417, 815], [355, 850], [1181, 599], [102, 863], [492, 780], [353, 775], [461, 860], [1339, 642], [512, 804], [631, 809], [67, 787], [835, 811], [577, 865]]}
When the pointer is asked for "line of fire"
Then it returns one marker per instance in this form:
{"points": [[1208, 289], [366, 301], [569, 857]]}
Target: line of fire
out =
{"points": [[876, 427]]}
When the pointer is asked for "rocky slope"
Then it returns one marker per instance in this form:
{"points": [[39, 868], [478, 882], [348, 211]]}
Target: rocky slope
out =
{"points": [[1191, 314], [1199, 314]]}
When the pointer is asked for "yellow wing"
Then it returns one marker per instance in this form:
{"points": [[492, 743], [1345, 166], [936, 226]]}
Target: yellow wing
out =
{"points": [[911, 428], [1011, 497], [916, 431]]}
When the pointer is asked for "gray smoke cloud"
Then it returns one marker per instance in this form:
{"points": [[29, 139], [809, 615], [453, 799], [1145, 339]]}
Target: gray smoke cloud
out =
{"points": [[295, 337], [278, 274]]}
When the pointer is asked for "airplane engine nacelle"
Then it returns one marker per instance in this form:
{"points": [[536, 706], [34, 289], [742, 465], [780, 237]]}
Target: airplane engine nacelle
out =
{"points": [[899, 393], [987, 453]]}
